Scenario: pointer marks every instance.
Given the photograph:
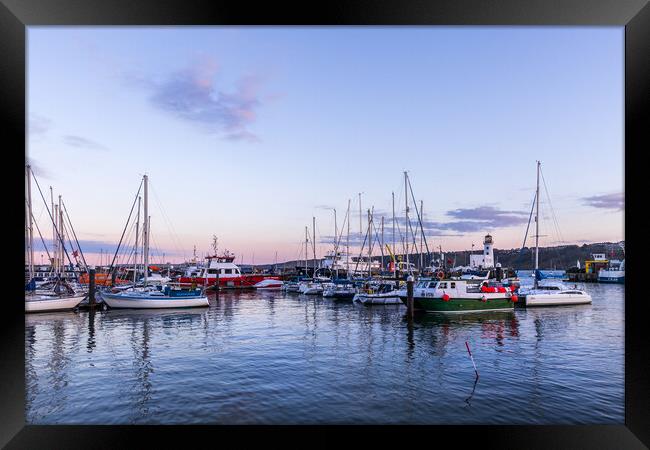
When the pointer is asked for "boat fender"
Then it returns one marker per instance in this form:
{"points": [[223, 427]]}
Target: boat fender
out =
{"points": [[484, 299], [514, 298], [440, 275], [445, 297]]}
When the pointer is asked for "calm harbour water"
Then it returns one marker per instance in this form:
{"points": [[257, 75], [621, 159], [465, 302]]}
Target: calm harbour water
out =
{"points": [[275, 358]]}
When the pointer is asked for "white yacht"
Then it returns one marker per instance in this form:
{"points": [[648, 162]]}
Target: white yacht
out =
{"points": [[349, 264], [379, 294], [549, 292], [552, 293]]}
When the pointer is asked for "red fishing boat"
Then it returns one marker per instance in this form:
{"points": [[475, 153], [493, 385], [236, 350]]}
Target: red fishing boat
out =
{"points": [[223, 268]]}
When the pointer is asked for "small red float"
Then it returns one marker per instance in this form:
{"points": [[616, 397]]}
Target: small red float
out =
{"points": [[514, 298], [445, 297], [484, 299]]}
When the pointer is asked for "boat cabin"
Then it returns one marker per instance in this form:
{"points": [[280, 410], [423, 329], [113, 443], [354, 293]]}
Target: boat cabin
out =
{"points": [[222, 266]]}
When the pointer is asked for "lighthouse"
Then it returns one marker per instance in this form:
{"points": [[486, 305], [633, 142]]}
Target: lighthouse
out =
{"points": [[486, 259]]}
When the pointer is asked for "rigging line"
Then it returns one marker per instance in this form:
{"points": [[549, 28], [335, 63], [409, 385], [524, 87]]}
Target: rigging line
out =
{"points": [[528, 226], [83, 258], [551, 205], [41, 236], [127, 240], [371, 242], [337, 239], [51, 218], [135, 200], [168, 222], [361, 252], [173, 234], [415, 203]]}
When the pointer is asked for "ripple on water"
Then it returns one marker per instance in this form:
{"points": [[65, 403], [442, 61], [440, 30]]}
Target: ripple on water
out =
{"points": [[273, 359]]}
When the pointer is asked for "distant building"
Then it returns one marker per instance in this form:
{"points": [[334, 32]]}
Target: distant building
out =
{"points": [[486, 259]]}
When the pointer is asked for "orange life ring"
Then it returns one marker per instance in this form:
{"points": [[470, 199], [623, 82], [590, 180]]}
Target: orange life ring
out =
{"points": [[440, 275]]}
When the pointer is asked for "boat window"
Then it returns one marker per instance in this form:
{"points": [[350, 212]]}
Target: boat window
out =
{"points": [[453, 285], [228, 270], [212, 271], [432, 284], [442, 286], [236, 270]]}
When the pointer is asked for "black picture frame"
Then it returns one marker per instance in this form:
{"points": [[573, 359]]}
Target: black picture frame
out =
{"points": [[634, 15]]}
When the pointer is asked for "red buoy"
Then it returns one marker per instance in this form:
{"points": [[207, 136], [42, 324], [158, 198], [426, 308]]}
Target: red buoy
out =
{"points": [[484, 299], [514, 298], [445, 297]]}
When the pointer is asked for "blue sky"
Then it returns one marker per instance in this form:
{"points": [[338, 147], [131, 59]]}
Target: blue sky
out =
{"points": [[249, 132]]}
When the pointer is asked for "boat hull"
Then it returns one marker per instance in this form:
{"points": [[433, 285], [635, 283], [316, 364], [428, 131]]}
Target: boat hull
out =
{"points": [[370, 299], [460, 305], [43, 303], [556, 299], [242, 282], [123, 301], [611, 276]]}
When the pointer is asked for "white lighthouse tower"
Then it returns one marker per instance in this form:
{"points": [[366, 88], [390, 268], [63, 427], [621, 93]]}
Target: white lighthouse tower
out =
{"points": [[486, 259]]}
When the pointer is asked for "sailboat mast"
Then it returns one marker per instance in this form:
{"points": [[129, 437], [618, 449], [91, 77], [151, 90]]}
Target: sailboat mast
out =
{"points": [[60, 233], [336, 230], [30, 222], [537, 226], [369, 245], [421, 234], [306, 248], [313, 243], [381, 245], [360, 224], [336, 244], [406, 226], [394, 248], [145, 229], [137, 232], [347, 246]]}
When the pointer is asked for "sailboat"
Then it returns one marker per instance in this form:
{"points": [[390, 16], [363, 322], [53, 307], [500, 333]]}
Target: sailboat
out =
{"points": [[59, 294], [154, 296], [549, 293]]}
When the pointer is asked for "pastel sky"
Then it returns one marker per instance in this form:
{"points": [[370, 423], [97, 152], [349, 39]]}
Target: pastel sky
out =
{"points": [[249, 132]]}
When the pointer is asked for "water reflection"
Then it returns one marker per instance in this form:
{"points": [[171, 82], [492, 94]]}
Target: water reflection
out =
{"points": [[90, 345], [143, 324], [277, 358], [56, 358]]}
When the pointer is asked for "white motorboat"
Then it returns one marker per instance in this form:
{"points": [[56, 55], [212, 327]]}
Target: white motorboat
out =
{"points": [[553, 294], [383, 294], [311, 288], [269, 285], [340, 291]]}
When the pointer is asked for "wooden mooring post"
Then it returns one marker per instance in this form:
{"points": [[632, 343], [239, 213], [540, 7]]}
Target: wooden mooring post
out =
{"points": [[91, 287], [409, 296]]}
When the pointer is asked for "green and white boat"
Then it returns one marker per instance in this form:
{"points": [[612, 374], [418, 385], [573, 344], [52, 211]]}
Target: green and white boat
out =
{"points": [[459, 296]]}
